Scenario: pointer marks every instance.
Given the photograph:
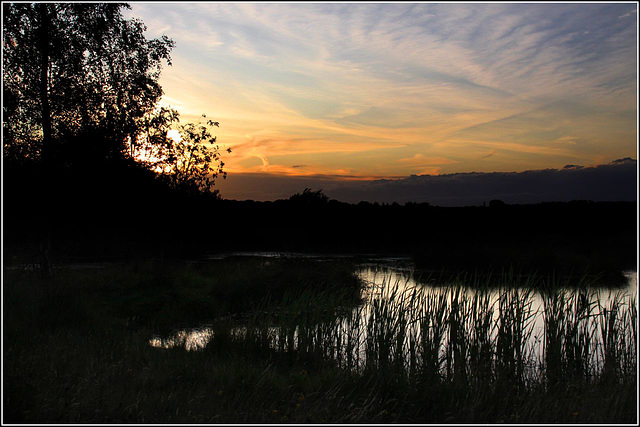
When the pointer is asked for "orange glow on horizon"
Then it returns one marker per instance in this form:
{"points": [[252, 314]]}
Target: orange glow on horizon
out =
{"points": [[432, 91]]}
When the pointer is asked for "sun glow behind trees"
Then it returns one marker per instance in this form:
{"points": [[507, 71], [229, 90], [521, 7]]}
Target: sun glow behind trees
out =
{"points": [[390, 90], [81, 91]]}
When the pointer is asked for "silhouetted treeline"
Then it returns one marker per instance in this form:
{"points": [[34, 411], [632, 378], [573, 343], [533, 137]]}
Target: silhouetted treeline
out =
{"points": [[118, 212], [558, 237]]}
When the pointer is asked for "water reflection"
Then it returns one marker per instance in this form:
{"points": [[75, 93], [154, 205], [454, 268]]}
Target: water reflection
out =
{"points": [[450, 329], [190, 339], [536, 309]]}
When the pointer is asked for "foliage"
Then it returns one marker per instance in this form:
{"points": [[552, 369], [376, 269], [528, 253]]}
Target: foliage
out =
{"points": [[73, 69], [188, 163], [309, 197], [85, 355], [81, 87]]}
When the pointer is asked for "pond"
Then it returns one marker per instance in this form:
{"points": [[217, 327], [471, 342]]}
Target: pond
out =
{"points": [[409, 321]]}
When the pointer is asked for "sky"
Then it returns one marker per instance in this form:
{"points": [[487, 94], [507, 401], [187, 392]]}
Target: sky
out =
{"points": [[336, 93]]}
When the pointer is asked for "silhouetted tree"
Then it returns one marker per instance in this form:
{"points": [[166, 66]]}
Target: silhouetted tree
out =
{"points": [[192, 162], [69, 67], [81, 89], [309, 197]]}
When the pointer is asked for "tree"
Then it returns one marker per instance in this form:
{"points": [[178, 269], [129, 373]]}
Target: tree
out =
{"points": [[309, 197], [88, 92], [72, 69], [81, 95], [190, 163]]}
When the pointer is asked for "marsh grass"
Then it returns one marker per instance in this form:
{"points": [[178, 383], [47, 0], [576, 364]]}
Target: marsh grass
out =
{"points": [[509, 342], [294, 342], [439, 329]]}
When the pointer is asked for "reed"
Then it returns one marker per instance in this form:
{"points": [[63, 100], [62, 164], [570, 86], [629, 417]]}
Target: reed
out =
{"points": [[316, 353], [514, 337]]}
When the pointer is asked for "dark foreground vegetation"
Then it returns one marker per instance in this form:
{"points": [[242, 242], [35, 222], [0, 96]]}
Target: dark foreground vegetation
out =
{"points": [[126, 213], [284, 331]]}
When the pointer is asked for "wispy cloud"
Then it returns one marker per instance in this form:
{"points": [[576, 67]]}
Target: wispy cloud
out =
{"points": [[422, 160], [628, 14], [608, 182], [375, 85], [489, 154]]}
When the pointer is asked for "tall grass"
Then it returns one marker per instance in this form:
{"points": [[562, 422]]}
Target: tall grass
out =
{"points": [[512, 337], [288, 347]]}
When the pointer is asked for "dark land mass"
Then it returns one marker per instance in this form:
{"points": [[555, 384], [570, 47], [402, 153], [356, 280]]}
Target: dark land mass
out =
{"points": [[106, 212]]}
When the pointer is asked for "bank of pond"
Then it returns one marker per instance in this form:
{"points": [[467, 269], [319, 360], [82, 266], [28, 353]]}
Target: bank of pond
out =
{"points": [[273, 338]]}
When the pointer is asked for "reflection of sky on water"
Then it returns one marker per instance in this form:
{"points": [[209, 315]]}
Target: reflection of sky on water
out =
{"points": [[387, 283], [190, 339], [385, 280]]}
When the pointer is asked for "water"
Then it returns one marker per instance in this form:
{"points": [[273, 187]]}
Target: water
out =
{"points": [[197, 338], [383, 281], [393, 321]]}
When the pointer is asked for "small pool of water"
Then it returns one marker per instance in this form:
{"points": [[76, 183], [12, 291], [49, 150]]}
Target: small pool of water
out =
{"points": [[390, 283]]}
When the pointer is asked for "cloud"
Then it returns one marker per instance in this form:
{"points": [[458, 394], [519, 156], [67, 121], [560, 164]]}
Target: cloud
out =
{"points": [[542, 85], [614, 181], [608, 182], [626, 160], [626, 15], [489, 154], [422, 160]]}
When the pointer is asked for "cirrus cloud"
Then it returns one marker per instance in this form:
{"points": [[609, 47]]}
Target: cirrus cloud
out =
{"points": [[364, 88]]}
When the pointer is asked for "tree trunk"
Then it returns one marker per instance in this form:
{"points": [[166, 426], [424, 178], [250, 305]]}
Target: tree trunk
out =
{"points": [[47, 138], [44, 81]]}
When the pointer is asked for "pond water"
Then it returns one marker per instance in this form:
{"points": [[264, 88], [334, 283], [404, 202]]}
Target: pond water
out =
{"points": [[404, 318]]}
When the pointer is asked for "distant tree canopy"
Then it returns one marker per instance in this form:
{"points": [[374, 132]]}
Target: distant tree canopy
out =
{"points": [[309, 197], [81, 86]]}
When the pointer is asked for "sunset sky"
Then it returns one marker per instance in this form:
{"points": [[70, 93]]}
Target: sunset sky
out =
{"points": [[366, 91]]}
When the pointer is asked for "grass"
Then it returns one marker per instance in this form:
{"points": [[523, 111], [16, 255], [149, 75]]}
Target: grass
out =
{"points": [[291, 343]]}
